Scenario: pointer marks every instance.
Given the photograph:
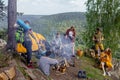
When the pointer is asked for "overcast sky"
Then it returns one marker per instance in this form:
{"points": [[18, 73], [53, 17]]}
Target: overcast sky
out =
{"points": [[47, 7]]}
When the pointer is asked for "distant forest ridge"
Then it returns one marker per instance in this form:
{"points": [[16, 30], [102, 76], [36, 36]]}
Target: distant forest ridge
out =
{"points": [[66, 16], [49, 23], [55, 17]]}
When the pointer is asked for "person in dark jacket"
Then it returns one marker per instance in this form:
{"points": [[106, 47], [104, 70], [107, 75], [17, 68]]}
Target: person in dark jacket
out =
{"points": [[28, 45], [26, 42]]}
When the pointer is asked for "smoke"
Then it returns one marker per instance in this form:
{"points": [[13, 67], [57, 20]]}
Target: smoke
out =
{"points": [[66, 50]]}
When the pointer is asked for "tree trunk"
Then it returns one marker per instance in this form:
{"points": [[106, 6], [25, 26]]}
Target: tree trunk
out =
{"points": [[12, 15]]}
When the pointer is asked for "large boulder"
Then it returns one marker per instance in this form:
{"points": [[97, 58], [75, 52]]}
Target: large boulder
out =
{"points": [[116, 69], [2, 43]]}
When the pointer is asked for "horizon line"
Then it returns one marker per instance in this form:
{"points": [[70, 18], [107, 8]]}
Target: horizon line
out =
{"points": [[54, 13]]}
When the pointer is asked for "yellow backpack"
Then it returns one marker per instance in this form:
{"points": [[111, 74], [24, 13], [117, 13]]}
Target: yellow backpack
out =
{"points": [[20, 48]]}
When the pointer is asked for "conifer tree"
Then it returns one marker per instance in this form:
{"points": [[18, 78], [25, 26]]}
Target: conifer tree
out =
{"points": [[12, 14]]}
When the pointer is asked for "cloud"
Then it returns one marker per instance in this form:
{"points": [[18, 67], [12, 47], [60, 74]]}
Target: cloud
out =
{"points": [[79, 4], [44, 7]]}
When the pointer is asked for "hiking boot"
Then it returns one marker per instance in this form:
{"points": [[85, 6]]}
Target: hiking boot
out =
{"points": [[30, 66], [104, 74], [108, 73], [31, 63]]}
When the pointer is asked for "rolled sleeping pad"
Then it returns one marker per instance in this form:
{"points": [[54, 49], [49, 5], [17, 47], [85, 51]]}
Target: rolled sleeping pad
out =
{"points": [[23, 25]]}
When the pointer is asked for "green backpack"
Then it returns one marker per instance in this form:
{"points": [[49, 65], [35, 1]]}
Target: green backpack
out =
{"points": [[19, 35]]}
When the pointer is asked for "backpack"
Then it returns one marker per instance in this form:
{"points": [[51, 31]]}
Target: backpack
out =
{"points": [[82, 74], [19, 35]]}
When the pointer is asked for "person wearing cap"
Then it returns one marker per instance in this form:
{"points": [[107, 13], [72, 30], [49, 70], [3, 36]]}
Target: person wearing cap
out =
{"points": [[28, 44], [98, 38]]}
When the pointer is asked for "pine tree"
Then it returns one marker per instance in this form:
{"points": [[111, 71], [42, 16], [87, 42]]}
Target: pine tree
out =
{"points": [[12, 14]]}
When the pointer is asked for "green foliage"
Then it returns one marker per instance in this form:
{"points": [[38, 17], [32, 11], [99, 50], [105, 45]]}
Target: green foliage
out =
{"points": [[3, 33], [103, 14]]}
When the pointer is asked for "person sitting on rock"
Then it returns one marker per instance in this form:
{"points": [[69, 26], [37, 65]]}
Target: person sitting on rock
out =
{"points": [[45, 62], [106, 61]]}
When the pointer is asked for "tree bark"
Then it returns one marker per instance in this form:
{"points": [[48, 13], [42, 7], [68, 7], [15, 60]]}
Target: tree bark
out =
{"points": [[12, 15]]}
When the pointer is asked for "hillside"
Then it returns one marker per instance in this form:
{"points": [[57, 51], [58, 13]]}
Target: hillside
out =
{"points": [[66, 16], [55, 17], [49, 23]]}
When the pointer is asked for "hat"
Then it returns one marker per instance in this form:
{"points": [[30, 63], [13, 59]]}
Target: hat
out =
{"points": [[26, 21], [48, 53], [98, 29]]}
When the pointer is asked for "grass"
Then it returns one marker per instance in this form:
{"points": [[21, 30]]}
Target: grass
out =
{"points": [[92, 72], [82, 47]]}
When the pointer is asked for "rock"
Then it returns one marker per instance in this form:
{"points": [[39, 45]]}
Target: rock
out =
{"points": [[31, 75], [2, 43], [116, 68]]}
